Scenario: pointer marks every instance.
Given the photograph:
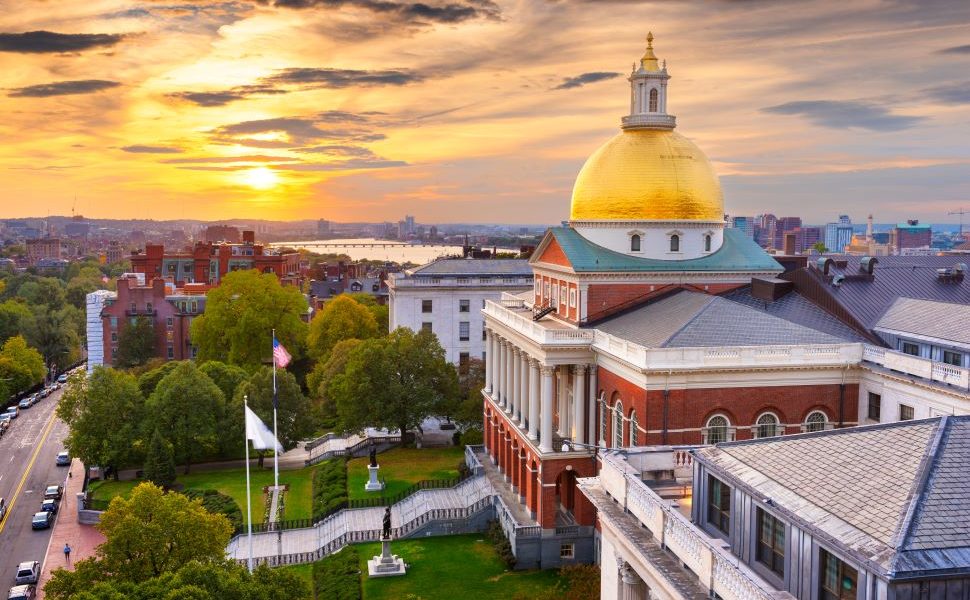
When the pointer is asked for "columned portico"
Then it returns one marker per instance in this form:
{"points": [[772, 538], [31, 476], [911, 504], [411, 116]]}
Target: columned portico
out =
{"points": [[591, 407], [533, 399], [545, 439], [579, 403], [514, 379], [632, 586]]}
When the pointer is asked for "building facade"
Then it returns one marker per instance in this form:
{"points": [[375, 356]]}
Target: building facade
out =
{"points": [[447, 296], [42, 248]]}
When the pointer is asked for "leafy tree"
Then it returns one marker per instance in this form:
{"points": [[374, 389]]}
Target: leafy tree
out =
{"points": [[21, 364], [184, 407], [342, 318], [325, 371], [293, 414], [820, 247], [467, 410], [240, 314], [160, 462], [42, 291], [148, 381], [136, 343], [227, 378], [394, 382], [54, 334], [381, 312], [103, 414], [15, 318]]}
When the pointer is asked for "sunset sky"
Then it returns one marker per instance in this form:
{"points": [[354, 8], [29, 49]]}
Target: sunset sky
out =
{"points": [[472, 110]]}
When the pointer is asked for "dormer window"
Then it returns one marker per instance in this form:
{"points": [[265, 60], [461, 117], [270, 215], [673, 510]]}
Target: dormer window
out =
{"points": [[707, 243], [634, 243]]}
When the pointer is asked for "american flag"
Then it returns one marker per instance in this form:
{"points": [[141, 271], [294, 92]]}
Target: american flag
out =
{"points": [[280, 356]]}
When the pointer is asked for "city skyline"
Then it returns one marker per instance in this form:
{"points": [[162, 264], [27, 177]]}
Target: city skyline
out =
{"points": [[473, 110]]}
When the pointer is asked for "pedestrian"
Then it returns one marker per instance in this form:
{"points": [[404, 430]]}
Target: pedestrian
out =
{"points": [[67, 553]]}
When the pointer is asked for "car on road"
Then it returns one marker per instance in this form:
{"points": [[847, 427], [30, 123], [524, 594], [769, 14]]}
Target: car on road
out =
{"points": [[42, 520], [27, 572], [53, 492], [4, 426], [3, 508], [25, 403], [63, 459], [44, 393], [62, 378], [49, 505], [22, 592], [13, 411]]}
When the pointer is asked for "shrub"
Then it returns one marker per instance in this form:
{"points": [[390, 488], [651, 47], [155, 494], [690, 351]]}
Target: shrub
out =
{"points": [[329, 487], [218, 503], [337, 577], [472, 437], [501, 543]]}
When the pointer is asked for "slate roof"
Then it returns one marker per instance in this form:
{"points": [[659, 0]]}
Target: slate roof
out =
{"points": [[738, 253], [868, 299], [894, 495], [796, 308], [695, 320], [461, 267], [941, 320]]}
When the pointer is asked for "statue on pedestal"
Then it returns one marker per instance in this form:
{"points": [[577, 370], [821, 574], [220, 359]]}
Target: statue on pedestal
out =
{"points": [[386, 533], [373, 456]]}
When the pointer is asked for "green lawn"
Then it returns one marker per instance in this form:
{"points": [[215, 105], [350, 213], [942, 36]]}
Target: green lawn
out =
{"points": [[456, 566], [403, 467], [232, 482]]}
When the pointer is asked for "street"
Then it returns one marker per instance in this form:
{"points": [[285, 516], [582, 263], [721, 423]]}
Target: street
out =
{"points": [[27, 453]]}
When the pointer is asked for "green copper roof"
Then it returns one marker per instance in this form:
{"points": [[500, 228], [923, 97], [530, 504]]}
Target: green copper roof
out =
{"points": [[738, 253]]}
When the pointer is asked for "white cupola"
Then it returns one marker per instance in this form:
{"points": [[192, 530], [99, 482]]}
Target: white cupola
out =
{"points": [[648, 94]]}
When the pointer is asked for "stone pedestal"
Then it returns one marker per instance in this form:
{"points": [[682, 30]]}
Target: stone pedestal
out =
{"points": [[373, 485], [387, 564]]}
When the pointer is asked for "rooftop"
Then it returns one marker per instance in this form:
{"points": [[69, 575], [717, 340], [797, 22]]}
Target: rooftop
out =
{"points": [[894, 495], [947, 321], [469, 267]]}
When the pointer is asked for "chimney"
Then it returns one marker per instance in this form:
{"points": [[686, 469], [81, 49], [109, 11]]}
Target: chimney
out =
{"points": [[249, 237], [790, 240]]}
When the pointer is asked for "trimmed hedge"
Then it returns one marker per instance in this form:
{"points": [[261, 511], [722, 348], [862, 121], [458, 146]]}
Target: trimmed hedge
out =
{"points": [[495, 535], [329, 487], [218, 503], [337, 577]]}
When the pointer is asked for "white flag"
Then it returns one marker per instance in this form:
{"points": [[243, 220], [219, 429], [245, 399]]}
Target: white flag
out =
{"points": [[259, 433]]}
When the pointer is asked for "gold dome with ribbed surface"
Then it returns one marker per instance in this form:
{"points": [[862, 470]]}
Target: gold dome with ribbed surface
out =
{"points": [[647, 175]]}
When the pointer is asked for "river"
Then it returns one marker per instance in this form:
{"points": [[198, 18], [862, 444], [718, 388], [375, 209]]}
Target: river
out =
{"points": [[374, 249]]}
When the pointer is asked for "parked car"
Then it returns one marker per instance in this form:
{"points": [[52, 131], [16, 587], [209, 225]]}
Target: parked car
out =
{"points": [[25, 403], [45, 393], [27, 572], [3, 508], [53, 492], [13, 411], [22, 592], [63, 459], [49, 506], [4, 425], [42, 520], [62, 378]]}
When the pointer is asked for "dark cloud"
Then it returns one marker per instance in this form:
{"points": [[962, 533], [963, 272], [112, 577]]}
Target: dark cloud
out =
{"points": [[842, 114], [63, 88], [955, 50], [338, 126], [954, 93], [38, 42], [140, 149], [342, 78], [581, 80], [411, 12], [252, 158], [224, 97], [338, 150], [344, 165]]}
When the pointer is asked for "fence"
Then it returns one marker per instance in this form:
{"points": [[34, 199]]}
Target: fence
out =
{"points": [[353, 450]]}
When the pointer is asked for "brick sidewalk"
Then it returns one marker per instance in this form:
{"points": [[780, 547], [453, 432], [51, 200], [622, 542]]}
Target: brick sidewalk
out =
{"points": [[83, 539]]}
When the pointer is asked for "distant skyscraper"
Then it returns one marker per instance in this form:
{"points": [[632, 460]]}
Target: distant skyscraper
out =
{"points": [[323, 229], [838, 235], [745, 224]]}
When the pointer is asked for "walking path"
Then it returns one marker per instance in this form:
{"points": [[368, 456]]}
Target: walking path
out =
{"points": [[83, 539], [364, 524]]}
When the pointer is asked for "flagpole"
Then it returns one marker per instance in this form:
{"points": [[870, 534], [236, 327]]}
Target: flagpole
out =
{"points": [[276, 462], [249, 504]]}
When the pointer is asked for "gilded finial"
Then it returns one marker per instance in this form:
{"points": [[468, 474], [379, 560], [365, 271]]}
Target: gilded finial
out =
{"points": [[649, 60], [649, 39]]}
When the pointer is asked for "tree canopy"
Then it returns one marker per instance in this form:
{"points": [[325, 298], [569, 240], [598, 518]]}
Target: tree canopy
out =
{"points": [[342, 318], [293, 415], [136, 344], [103, 414], [240, 314], [184, 408], [394, 382], [21, 364]]}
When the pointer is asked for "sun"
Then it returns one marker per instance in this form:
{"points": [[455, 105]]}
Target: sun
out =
{"points": [[259, 178]]}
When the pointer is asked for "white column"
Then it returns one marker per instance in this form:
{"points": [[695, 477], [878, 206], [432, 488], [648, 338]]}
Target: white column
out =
{"points": [[500, 372], [633, 587], [562, 397], [522, 408], [579, 404], [545, 444], [514, 388], [533, 399], [489, 360], [591, 407], [508, 376]]}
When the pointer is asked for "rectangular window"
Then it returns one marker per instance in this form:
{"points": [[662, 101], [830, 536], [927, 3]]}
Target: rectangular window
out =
{"points": [[952, 358], [462, 359], [426, 306], [195, 306], [555, 294], [484, 280], [464, 328], [546, 296], [462, 280], [562, 294], [718, 503], [905, 413], [171, 352], [837, 580], [169, 322], [567, 551], [114, 336], [133, 307], [771, 543], [572, 298], [426, 326], [909, 348], [114, 322], [464, 306], [875, 406], [148, 307]]}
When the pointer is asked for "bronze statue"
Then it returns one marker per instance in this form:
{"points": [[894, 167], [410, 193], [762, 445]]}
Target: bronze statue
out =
{"points": [[373, 456], [386, 533]]}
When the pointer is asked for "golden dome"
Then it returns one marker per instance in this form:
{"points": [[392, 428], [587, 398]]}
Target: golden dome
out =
{"points": [[647, 175]]}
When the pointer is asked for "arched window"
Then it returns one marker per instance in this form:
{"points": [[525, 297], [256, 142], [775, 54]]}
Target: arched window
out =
{"points": [[716, 430], [675, 243], [618, 424], [653, 100], [603, 408], [634, 243], [767, 426], [707, 243], [634, 424], [816, 421]]}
